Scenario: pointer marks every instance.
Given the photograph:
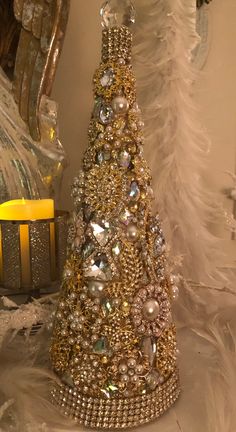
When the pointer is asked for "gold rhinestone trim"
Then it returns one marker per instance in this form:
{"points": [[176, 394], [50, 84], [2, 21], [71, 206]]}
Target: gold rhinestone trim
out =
{"points": [[116, 44], [116, 413]]}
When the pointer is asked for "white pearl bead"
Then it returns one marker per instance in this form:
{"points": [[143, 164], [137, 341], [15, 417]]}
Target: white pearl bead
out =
{"points": [[120, 105], [132, 232], [121, 61], [73, 326], [96, 288], [125, 378], [139, 369], [123, 368], [64, 333], [151, 309], [135, 378], [132, 363]]}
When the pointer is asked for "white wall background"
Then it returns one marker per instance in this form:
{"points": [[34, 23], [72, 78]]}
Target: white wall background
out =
{"points": [[215, 94]]}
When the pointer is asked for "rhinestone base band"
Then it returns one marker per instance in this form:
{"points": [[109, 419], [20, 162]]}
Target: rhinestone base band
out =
{"points": [[116, 413]]}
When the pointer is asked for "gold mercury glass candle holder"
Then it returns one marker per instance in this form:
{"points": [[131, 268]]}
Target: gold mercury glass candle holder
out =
{"points": [[32, 253]]}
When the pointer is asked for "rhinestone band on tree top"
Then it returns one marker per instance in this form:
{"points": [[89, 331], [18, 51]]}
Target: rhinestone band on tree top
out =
{"points": [[117, 44], [116, 413]]}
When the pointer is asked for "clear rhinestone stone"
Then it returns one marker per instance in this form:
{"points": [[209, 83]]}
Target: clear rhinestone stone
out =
{"points": [[159, 246], [149, 348], [103, 112], [107, 307], [124, 159], [116, 248], [87, 248], [99, 268], [107, 78], [101, 346], [153, 380], [134, 192], [101, 231], [103, 156], [126, 217], [116, 13]]}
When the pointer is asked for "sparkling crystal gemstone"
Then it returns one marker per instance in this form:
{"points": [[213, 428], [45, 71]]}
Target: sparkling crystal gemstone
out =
{"points": [[153, 380], [103, 156], [124, 159], [101, 346], [149, 348], [87, 248], [134, 192], [159, 246], [107, 307], [116, 248], [102, 232], [126, 217], [103, 112], [116, 13], [100, 157], [110, 390], [99, 269], [107, 78], [106, 114]]}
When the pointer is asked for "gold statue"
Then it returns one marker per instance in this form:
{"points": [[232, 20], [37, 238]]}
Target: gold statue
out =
{"points": [[31, 39]]}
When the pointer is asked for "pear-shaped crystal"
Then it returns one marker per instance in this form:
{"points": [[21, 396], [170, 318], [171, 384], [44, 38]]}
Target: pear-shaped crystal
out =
{"points": [[149, 348], [153, 380], [116, 13], [102, 231], [99, 268], [87, 248], [134, 192], [124, 159], [107, 307]]}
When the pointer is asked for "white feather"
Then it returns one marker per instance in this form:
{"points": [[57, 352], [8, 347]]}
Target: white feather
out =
{"points": [[177, 146]]}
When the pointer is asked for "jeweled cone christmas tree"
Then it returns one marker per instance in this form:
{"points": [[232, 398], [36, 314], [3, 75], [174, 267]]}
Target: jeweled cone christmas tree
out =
{"points": [[114, 341]]}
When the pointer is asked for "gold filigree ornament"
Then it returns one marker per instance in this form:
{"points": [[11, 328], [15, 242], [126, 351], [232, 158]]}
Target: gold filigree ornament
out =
{"points": [[112, 79], [105, 188]]}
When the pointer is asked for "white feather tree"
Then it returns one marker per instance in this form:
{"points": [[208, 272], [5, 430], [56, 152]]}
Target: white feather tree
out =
{"points": [[177, 146]]}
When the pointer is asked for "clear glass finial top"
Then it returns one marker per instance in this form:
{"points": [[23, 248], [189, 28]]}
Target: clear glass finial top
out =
{"points": [[116, 13]]}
